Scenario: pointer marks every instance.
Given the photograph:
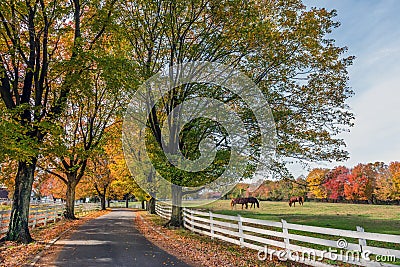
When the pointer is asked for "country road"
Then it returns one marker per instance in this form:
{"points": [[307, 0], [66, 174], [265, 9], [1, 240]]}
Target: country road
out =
{"points": [[112, 240]]}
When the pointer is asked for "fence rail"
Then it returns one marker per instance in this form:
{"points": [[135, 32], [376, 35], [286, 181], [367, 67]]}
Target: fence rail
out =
{"points": [[164, 210], [43, 214], [300, 243]]}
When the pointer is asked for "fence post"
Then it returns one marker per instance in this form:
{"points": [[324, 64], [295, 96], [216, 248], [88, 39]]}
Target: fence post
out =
{"points": [[1, 220], [361, 241], [192, 219], [45, 217], [285, 232], [211, 225], [34, 219], [240, 224], [55, 214]]}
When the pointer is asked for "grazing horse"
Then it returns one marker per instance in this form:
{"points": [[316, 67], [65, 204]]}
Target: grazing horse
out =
{"points": [[293, 201], [253, 201], [242, 201]]}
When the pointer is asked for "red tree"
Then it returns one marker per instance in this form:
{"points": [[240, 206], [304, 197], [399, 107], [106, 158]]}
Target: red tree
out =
{"points": [[337, 178]]}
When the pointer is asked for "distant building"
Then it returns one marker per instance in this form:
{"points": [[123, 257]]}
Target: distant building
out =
{"points": [[3, 192]]}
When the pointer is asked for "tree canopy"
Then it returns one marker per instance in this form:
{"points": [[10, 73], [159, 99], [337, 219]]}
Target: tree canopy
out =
{"points": [[67, 65]]}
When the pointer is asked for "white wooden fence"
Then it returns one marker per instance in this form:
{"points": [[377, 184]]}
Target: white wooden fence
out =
{"points": [[287, 241], [164, 211], [43, 214]]}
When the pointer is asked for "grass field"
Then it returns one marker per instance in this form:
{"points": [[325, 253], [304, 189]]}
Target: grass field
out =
{"points": [[373, 218]]}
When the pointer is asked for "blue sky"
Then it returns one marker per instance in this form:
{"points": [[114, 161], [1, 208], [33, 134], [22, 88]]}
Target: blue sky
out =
{"points": [[371, 30]]}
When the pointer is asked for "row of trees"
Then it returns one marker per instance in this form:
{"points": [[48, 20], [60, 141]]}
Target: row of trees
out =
{"points": [[69, 67], [371, 182]]}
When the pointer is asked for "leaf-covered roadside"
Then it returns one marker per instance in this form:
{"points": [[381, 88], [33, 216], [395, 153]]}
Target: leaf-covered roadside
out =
{"points": [[198, 250], [15, 254]]}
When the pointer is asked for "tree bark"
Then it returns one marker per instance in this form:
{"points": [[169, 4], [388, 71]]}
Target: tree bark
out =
{"points": [[69, 212], [18, 227], [103, 201], [102, 195], [176, 215], [151, 205]]}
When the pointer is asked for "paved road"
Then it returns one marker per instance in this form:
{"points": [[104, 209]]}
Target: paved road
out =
{"points": [[112, 240]]}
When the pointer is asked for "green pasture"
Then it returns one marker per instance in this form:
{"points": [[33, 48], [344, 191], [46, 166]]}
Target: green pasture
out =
{"points": [[373, 218]]}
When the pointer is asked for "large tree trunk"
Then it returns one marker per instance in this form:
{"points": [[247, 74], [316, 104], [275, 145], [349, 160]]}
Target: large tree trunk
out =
{"points": [[176, 215], [103, 201], [103, 198], [151, 205], [18, 227], [69, 212]]}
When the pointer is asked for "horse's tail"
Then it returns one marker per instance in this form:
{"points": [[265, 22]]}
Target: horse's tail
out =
{"points": [[258, 203]]}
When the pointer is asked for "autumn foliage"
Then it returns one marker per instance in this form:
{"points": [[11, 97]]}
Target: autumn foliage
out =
{"points": [[371, 182]]}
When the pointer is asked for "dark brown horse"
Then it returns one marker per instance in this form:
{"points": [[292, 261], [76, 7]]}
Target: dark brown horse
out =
{"points": [[293, 201], [241, 200], [253, 202], [244, 201]]}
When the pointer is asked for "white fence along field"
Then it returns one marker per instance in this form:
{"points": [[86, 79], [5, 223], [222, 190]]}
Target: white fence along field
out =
{"points": [[45, 213], [164, 211], [315, 246]]}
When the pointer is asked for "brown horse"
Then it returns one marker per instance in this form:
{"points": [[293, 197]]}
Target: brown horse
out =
{"points": [[253, 202], [293, 201], [242, 201]]}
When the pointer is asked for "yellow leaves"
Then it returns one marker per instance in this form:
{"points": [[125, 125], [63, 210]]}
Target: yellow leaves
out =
{"points": [[315, 180]]}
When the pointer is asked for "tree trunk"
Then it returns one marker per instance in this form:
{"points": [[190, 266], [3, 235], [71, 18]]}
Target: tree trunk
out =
{"points": [[176, 215], [69, 212], [151, 205], [127, 202], [108, 202], [18, 227], [103, 201]]}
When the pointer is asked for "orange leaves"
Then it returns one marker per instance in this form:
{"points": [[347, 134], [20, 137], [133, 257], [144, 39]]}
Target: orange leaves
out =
{"points": [[53, 186], [356, 185], [388, 183]]}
